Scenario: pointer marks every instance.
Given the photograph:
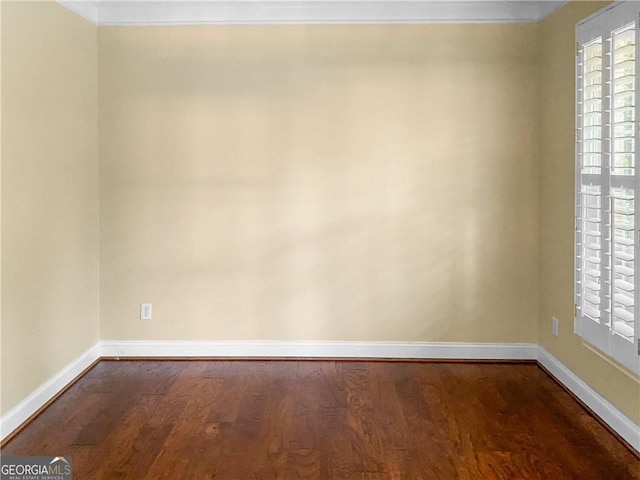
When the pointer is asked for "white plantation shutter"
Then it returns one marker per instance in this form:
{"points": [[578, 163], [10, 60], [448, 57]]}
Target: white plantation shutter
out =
{"points": [[607, 183]]}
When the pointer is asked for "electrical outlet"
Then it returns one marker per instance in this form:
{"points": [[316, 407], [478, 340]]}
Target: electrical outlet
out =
{"points": [[554, 326], [145, 311]]}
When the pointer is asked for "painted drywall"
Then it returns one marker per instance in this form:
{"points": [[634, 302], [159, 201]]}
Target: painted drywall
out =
{"points": [[557, 134], [319, 182], [50, 271]]}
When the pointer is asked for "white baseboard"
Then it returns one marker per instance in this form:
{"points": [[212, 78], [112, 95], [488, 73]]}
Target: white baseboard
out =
{"points": [[618, 421], [418, 350], [45, 392]]}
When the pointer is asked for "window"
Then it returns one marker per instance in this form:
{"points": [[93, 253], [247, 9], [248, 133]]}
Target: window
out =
{"points": [[607, 261]]}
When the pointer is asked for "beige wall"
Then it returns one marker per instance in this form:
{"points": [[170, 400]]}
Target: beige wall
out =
{"points": [[319, 182], [50, 268], [557, 127]]}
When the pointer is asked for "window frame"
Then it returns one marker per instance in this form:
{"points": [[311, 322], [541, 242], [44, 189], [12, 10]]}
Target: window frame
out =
{"points": [[601, 333]]}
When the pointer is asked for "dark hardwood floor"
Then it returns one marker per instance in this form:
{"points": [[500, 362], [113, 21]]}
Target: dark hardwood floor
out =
{"points": [[323, 420]]}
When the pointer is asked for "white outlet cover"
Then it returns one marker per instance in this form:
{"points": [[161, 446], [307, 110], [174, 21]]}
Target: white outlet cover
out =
{"points": [[145, 311], [554, 326]]}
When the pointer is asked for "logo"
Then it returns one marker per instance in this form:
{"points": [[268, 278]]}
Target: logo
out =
{"points": [[35, 468]]}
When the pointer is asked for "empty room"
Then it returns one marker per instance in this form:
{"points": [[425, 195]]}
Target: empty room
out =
{"points": [[319, 239]]}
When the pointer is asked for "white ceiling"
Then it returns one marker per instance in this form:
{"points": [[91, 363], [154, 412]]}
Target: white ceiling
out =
{"points": [[185, 12]]}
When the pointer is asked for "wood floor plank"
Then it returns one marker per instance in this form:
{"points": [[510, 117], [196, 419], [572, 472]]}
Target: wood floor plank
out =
{"points": [[138, 441], [303, 464], [188, 441], [235, 383], [241, 435], [271, 456], [342, 420], [388, 414], [130, 450], [429, 421]]}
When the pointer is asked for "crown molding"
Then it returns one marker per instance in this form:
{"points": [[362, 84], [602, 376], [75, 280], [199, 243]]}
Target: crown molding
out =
{"points": [[276, 12], [85, 8], [546, 8]]}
